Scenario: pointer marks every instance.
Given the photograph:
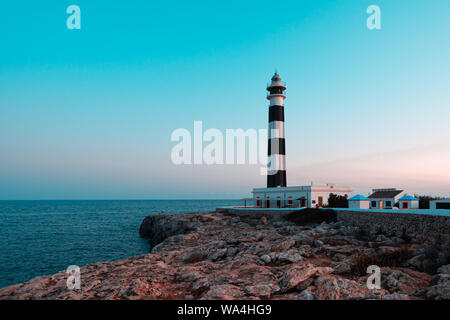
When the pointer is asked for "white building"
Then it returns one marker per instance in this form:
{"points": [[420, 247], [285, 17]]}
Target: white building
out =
{"points": [[311, 196], [440, 204], [384, 198], [359, 202], [408, 202]]}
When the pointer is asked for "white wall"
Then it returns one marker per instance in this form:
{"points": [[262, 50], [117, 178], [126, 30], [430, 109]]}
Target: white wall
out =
{"points": [[414, 204], [393, 202], [273, 195], [312, 197], [363, 204], [276, 100]]}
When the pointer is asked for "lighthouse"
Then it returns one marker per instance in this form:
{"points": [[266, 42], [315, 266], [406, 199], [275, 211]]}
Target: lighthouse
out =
{"points": [[277, 194], [276, 170]]}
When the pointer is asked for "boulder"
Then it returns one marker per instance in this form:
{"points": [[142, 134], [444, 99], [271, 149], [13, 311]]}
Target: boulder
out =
{"points": [[159, 227], [306, 295], [444, 269], [334, 288], [223, 292], [266, 258], [193, 256], [296, 276], [283, 246], [342, 267], [396, 296], [290, 256], [263, 291], [440, 287], [403, 280]]}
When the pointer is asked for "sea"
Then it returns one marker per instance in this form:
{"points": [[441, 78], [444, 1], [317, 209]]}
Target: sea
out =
{"points": [[44, 237]]}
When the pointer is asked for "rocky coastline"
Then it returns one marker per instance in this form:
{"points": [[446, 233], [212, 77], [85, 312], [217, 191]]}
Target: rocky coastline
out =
{"points": [[225, 255]]}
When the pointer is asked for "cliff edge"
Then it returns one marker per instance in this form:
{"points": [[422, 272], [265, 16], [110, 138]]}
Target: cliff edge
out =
{"points": [[223, 255]]}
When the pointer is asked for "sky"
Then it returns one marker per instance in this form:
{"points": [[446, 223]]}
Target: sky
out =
{"points": [[89, 113]]}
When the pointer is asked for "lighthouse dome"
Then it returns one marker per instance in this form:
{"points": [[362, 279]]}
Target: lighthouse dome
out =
{"points": [[276, 77]]}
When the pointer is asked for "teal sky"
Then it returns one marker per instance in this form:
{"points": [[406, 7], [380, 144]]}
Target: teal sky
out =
{"points": [[88, 114]]}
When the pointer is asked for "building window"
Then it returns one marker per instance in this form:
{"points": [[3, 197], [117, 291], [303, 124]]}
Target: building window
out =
{"points": [[443, 205], [258, 203], [388, 204], [302, 202], [374, 204], [404, 205]]}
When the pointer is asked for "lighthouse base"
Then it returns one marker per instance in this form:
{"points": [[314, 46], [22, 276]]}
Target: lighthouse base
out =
{"points": [[277, 180]]}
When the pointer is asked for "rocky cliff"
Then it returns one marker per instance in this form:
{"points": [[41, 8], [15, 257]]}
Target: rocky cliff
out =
{"points": [[257, 256]]}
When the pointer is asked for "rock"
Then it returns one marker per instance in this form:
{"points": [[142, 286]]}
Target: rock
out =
{"points": [[223, 292], [218, 254], [187, 275], [324, 225], [263, 220], [403, 280], [333, 288], [318, 243], [291, 256], [342, 267], [259, 237], [444, 269], [194, 256], [396, 296], [159, 227], [266, 258], [305, 251], [260, 290], [283, 246], [200, 286], [338, 224], [416, 262], [304, 239], [383, 250], [323, 271], [306, 295], [381, 238], [296, 275], [440, 287], [319, 230], [235, 220]]}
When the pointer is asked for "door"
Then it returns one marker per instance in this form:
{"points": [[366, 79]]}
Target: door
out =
{"points": [[380, 203], [303, 202]]}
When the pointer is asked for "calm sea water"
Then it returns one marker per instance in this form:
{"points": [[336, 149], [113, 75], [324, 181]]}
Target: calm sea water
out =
{"points": [[44, 237]]}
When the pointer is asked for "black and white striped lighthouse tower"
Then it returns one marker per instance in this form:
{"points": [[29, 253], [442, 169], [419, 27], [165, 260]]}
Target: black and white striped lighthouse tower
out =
{"points": [[276, 171]]}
